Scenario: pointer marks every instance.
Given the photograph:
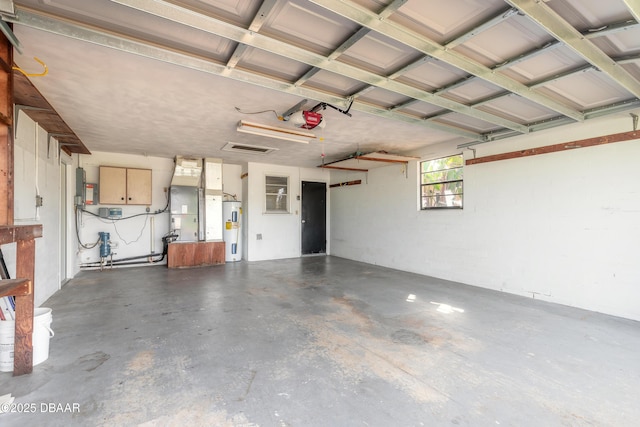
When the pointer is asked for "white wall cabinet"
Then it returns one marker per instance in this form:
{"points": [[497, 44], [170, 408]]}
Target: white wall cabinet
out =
{"points": [[125, 186]]}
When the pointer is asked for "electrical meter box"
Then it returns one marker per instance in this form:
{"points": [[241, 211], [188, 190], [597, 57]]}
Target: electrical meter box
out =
{"points": [[110, 213]]}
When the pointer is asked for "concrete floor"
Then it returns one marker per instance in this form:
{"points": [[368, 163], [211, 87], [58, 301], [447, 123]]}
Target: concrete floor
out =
{"points": [[322, 341]]}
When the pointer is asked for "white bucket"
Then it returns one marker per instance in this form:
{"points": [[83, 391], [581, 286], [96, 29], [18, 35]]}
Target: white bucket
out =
{"points": [[41, 334]]}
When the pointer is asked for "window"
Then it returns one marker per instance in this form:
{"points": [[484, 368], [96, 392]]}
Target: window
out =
{"points": [[277, 192], [441, 183]]}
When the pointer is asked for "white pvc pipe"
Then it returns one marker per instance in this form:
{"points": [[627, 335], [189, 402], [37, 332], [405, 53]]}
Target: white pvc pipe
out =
{"points": [[153, 235]]}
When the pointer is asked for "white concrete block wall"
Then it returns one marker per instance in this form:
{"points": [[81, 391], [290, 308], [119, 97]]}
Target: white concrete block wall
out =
{"points": [[280, 232], [231, 181], [562, 227], [245, 217], [37, 171]]}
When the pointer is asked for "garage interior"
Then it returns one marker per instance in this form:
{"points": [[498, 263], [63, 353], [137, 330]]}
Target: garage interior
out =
{"points": [[509, 300]]}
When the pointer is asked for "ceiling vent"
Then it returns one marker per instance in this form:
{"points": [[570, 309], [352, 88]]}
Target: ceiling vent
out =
{"points": [[247, 149]]}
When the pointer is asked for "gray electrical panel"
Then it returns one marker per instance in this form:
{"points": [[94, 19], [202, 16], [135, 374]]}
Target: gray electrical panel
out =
{"points": [[81, 179]]}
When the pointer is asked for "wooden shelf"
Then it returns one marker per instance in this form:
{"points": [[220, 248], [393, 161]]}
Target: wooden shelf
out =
{"points": [[364, 162]]}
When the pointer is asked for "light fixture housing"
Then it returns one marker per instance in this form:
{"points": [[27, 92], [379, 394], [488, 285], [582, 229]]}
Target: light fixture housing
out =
{"points": [[274, 132]]}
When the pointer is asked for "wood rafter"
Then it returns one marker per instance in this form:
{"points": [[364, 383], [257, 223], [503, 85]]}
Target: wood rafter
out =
{"points": [[582, 143]]}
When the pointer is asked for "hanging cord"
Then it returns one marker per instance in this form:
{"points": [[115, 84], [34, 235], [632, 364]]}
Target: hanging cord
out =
{"points": [[323, 155], [115, 227], [44, 73], [259, 112]]}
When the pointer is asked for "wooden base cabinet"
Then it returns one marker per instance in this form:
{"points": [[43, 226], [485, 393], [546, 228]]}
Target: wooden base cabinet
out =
{"points": [[195, 254]]}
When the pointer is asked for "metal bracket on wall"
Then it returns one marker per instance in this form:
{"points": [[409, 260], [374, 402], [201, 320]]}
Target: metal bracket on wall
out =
{"points": [[634, 118], [473, 150], [60, 144], [16, 115]]}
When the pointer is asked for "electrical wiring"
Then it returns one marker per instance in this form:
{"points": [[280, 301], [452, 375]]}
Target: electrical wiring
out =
{"points": [[123, 218], [26, 74], [163, 210], [78, 212], [115, 227]]}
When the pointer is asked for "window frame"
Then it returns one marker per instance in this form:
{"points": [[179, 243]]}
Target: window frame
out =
{"points": [[445, 181], [268, 195]]}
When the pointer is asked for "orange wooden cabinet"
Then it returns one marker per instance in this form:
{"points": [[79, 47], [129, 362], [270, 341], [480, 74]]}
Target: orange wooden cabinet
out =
{"points": [[195, 254]]}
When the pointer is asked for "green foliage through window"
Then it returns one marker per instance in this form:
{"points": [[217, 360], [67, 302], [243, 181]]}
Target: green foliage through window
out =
{"points": [[441, 183]]}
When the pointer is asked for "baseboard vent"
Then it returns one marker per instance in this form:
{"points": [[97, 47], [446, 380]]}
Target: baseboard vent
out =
{"points": [[247, 149]]}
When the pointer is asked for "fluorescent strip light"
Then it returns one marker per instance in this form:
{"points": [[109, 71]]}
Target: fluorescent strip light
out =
{"points": [[273, 132]]}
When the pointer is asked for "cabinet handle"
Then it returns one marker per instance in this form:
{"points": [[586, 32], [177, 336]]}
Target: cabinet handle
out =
{"points": [[121, 198]]}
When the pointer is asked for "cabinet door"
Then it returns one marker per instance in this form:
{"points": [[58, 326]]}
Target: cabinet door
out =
{"points": [[113, 185], [139, 186]]}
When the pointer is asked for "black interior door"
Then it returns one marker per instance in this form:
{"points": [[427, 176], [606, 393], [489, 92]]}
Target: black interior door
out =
{"points": [[314, 217]]}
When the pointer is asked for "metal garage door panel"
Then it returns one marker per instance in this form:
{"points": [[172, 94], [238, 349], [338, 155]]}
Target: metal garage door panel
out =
{"points": [[588, 90]]}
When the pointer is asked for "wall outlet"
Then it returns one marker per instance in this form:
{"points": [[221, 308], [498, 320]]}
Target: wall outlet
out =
{"points": [[259, 236], [38, 201]]}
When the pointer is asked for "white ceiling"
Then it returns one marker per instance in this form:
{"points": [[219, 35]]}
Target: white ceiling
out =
{"points": [[166, 78]]}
